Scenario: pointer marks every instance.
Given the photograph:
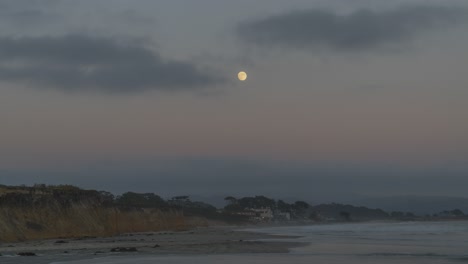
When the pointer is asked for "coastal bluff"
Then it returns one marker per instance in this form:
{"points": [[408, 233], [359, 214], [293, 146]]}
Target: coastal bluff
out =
{"points": [[46, 212]]}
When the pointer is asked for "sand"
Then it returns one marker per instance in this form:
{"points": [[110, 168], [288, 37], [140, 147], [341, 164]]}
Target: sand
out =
{"points": [[210, 240]]}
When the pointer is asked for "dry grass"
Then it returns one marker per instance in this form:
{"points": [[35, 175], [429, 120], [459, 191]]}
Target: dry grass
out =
{"points": [[20, 224]]}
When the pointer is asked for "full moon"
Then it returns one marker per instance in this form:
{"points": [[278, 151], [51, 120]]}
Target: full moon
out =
{"points": [[242, 75]]}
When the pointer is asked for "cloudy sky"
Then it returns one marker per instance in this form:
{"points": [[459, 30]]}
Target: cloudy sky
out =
{"points": [[365, 97]]}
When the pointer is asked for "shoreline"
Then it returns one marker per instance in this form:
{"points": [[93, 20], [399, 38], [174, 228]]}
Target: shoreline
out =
{"points": [[197, 241]]}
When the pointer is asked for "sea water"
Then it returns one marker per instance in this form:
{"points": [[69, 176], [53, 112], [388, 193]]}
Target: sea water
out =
{"points": [[403, 242]]}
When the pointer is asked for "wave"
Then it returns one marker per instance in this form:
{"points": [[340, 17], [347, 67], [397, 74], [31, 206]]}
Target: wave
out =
{"points": [[398, 254]]}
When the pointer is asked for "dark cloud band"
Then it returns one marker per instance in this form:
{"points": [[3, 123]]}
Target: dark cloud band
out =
{"points": [[83, 63], [360, 30]]}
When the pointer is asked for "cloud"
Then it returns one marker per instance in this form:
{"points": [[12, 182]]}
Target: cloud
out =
{"points": [[84, 63], [29, 18], [360, 30], [27, 12]]}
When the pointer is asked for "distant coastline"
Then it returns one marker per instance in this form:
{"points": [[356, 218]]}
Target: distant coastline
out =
{"points": [[67, 212]]}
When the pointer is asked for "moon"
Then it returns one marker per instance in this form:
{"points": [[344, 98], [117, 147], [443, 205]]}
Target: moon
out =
{"points": [[242, 76]]}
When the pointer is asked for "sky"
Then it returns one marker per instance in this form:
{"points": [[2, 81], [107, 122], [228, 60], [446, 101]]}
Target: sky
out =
{"points": [[343, 98]]}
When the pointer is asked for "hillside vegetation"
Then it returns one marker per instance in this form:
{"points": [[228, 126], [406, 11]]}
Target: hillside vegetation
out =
{"points": [[42, 212], [65, 211]]}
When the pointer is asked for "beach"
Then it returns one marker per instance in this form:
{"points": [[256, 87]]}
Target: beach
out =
{"points": [[366, 242], [199, 241]]}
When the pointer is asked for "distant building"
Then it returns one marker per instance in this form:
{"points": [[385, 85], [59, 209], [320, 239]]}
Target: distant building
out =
{"points": [[262, 214], [257, 215]]}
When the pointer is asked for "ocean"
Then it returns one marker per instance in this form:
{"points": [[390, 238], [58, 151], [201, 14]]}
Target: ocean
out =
{"points": [[402, 242]]}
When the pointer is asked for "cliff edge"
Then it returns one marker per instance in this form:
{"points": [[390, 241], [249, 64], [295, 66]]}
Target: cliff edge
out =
{"points": [[28, 213]]}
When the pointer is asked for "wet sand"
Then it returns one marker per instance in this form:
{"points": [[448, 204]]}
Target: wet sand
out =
{"points": [[211, 240]]}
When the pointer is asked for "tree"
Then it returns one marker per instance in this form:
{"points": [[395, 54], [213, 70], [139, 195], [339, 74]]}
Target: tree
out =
{"points": [[314, 216], [230, 200], [181, 198], [301, 205], [140, 200], [233, 208], [409, 214], [299, 209], [107, 198], [257, 202], [345, 215], [283, 206], [397, 214], [457, 212]]}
